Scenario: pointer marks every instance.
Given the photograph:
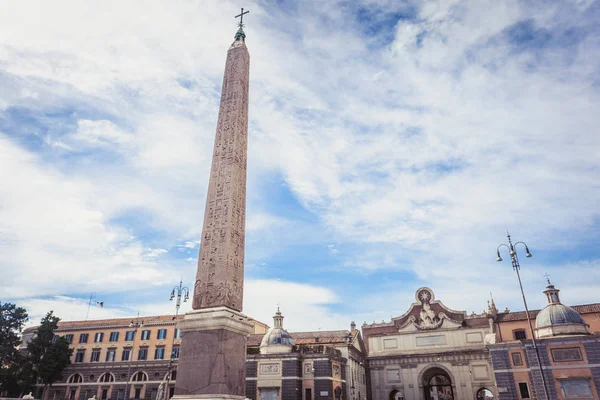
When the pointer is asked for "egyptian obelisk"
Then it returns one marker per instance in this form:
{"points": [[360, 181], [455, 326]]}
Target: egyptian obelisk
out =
{"points": [[213, 349]]}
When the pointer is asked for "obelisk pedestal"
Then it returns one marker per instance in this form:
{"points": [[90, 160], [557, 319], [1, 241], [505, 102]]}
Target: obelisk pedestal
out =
{"points": [[212, 363]]}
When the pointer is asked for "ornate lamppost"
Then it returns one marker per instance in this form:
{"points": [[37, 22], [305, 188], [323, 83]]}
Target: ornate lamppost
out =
{"points": [[177, 292], [135, 325], [515, 264]]}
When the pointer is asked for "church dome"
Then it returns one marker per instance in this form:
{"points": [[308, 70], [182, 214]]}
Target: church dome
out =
{"points": [[277, 339], [557, 319]]}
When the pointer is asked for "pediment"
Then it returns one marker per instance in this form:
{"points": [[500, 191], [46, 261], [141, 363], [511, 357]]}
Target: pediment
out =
{"points": [[428, 314]]}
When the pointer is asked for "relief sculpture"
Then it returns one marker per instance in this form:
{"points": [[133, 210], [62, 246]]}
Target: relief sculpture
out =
{"points": [[220, 268]]}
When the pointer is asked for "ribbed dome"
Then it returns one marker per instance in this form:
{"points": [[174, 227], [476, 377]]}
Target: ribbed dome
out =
{"points": [[277, 339], [557, 314], [557, 319], [275, 336]]}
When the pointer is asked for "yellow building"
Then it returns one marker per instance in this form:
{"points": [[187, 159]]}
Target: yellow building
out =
{"points": [[113, 357]]}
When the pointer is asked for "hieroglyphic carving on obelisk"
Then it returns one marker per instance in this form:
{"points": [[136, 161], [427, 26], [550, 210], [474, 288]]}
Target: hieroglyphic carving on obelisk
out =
{"points": [[220, 275], [212, 363]]}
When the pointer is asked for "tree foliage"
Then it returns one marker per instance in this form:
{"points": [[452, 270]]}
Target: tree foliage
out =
{"points": [[48, 357], [43, 362], [12, 320]]}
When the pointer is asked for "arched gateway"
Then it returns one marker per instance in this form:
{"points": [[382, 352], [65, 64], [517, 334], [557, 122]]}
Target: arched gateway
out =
{"points": [[437, 385]]}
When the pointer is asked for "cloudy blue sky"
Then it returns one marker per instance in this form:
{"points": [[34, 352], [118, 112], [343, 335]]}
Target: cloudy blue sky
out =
{"points": [[391, 146]]}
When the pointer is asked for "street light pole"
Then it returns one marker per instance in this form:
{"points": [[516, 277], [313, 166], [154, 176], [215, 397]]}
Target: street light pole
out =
{"points": [[134, 325], [514, 258], [177, 292]]}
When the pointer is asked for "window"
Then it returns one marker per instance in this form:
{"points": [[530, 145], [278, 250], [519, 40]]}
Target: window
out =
{"points": [[139, 377], [566, 354], [524, 390], [576, 388], [95, 356], [98, 337], [143, 353], [175, 352], [114, 337], [393, 375], [129, 335], [69, 338], [72, 394], [159, 353], [104, 395], [126, 354], [177, 333], [79, 356], [55, 338], [107, 377], [161, 334], [517, 359], [110, 355], [520, 334], [138, 392], [75, 378], [83, 338], [145, 334], [173, 375]]}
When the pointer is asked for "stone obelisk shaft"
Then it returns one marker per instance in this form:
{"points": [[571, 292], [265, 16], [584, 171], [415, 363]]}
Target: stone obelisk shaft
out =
{"points": [[220, 275], [213, 349]]}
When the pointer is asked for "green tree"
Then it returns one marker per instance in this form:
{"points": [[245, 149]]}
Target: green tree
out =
{"points": [[47, 357], [12, 320]]}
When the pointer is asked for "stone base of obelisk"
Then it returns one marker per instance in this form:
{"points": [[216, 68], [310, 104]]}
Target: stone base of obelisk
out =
{"points": [[212, 362]]}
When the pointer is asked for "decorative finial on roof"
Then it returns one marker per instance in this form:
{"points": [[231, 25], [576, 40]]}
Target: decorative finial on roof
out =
{"points": [[547, 275], [240, 33]]}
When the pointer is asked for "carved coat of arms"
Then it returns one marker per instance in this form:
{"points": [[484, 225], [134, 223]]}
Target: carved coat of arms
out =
{"points": [[427, 317]]}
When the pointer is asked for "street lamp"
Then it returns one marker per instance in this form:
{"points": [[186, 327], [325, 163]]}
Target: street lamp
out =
{"points": [[135, 325], [177, 292], [515, 264]]}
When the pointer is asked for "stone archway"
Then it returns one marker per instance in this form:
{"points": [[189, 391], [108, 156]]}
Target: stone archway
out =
{"points": [[437, 384], [485, 394], [396, 395]]}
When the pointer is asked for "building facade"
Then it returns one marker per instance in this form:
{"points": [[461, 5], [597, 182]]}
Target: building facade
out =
{"points": [[306, 365], [568, 345], [114, 357], [430, 352]]}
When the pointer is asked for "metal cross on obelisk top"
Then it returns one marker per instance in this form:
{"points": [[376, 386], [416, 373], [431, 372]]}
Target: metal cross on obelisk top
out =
{"points": [[241, 16], [547, 275]]}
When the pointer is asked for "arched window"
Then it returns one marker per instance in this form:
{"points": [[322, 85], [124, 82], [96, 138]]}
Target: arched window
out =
{"points": [[485, 394], [519, 334], [107, 377], [75, 378], [139, 377]]}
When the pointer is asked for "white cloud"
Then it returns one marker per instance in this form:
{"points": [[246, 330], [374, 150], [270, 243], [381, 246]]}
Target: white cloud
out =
{"points": [[414, 154]]}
